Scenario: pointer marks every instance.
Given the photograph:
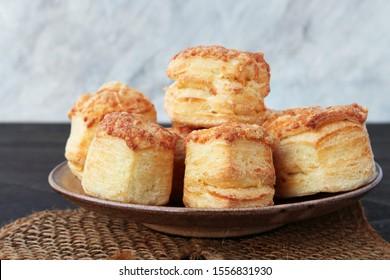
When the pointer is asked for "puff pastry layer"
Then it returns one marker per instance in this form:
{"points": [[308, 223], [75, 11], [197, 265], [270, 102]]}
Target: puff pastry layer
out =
{"points": [[321, 150], [214, 85], [130, 160], [229, 166]]}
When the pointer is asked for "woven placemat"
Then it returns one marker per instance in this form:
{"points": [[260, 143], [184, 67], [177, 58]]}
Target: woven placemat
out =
{"points": [[81, 234]]}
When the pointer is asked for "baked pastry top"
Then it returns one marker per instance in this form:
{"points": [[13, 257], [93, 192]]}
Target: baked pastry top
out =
{"points": [[215, 85], [293, 121], [136, 131], [231, 132], [112, 97], [239, 65]]}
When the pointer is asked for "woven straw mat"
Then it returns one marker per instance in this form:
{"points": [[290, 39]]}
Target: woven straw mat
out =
{"points": [[81, 234]]}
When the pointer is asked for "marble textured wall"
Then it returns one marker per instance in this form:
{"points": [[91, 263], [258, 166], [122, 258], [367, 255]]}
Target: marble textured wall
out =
{"points": [[320, 52]]}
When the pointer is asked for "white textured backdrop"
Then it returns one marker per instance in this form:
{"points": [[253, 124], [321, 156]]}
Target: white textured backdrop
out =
{"points": [[320, 52]]}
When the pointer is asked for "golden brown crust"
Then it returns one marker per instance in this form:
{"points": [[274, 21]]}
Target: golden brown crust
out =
{"points": [[112, 97], [297, 120], [241, 59], [218, 52], [231, 132], [136, 130]]}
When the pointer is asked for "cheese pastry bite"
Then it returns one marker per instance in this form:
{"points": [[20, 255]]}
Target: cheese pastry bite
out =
{"points": [[215, 85], [90, 109], [130, 160], [229, 166], [321, 150]]}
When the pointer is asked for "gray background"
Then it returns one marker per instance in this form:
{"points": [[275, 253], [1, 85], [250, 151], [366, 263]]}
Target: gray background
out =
{"points": [[320, 52]]}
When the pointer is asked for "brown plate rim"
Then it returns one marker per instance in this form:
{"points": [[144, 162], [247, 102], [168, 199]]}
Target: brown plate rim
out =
{"points": [[293, 206]]}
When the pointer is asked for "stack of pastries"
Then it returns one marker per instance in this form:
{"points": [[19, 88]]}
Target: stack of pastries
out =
{"points": [[219, 94], [225, 149]]}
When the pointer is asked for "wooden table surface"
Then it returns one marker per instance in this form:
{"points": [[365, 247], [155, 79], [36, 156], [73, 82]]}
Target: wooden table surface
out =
{"points": [[28, 152]]}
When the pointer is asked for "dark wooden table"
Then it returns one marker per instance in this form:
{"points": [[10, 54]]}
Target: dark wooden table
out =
{"points": [[28, 152]]}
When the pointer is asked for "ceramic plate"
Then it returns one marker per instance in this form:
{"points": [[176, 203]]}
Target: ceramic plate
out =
{"points": [[208, 222]]}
